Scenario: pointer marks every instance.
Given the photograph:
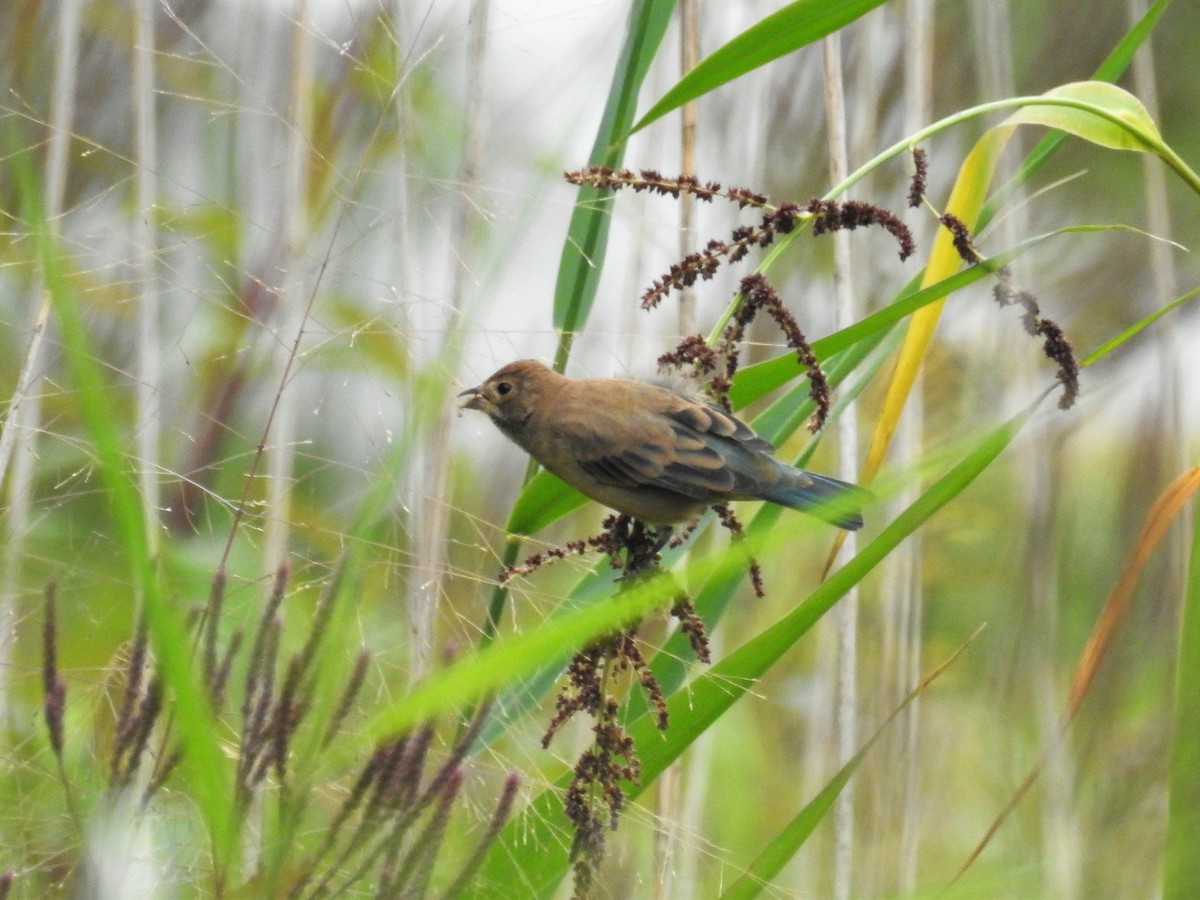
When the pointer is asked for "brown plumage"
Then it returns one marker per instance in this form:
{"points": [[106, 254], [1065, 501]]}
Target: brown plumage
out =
{"points": [[649, 451]]}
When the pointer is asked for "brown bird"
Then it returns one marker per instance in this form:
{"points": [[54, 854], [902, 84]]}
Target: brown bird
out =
{"points": [[648, 451]]}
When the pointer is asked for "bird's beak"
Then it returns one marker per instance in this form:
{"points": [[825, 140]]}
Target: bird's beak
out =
{"points": [[471, 398]]}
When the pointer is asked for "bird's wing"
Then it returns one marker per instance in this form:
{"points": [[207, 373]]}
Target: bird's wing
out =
{"points": [[694, 449], [708, 419]]}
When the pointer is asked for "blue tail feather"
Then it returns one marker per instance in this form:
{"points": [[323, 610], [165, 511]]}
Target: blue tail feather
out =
{"points": [[837, 502]]}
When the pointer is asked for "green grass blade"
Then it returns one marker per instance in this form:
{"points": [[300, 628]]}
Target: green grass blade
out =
{"points": [[796, 25], [206, 768], [1181, 863], [1113, 343], [506, 661], [587, 235]]}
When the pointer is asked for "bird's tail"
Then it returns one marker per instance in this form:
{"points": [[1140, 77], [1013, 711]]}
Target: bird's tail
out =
{"points": [[837, 502]]}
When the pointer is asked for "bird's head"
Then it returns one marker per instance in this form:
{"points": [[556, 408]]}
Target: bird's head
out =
{"points": [[510, 396]]}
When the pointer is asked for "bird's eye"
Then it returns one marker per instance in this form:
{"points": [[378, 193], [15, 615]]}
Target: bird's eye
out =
{"points": [[503, 388]]}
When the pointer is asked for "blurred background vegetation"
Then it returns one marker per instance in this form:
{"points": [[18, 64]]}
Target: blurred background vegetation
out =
{"points": [[307, 226]]}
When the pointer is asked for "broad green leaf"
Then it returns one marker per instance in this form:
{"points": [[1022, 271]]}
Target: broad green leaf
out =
{"points": [[1111, 69], [1100, 112], [796, 25], [545, 498]]}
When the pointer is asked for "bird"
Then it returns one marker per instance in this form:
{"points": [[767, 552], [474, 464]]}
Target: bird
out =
{"points": [[649, 451]]}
